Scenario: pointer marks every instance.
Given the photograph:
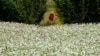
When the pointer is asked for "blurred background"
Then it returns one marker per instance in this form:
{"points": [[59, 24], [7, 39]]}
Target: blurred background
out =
{"points": [[31, 11]]}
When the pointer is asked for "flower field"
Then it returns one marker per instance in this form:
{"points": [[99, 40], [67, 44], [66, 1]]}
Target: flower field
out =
{"points": [[18, 39]]}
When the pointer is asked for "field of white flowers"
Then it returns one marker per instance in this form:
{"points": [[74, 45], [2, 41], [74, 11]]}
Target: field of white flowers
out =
{"points": [[18, 39]]}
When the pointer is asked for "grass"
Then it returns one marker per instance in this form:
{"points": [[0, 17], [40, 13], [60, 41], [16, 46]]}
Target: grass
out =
{"points": [[18, 39]]}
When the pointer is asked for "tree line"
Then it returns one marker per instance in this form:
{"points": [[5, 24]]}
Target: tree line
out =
{"points": [[26, 11], [79, 11], [31, 11]]}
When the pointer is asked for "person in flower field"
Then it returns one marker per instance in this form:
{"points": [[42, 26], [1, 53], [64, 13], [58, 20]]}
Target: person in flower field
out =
{"points": [[51, 17]]}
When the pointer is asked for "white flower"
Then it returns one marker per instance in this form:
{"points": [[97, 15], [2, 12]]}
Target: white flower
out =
{"points": [[66, 40]]}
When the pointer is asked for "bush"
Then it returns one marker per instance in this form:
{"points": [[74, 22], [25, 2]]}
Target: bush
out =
{"points": [[27, 11], [79, 10]]}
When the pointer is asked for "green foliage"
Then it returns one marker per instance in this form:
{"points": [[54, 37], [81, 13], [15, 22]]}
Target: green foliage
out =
{"points": [[28, 11], [79, 10]]}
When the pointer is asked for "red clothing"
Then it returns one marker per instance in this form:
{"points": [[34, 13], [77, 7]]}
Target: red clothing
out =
{"points": [[51, 17]]}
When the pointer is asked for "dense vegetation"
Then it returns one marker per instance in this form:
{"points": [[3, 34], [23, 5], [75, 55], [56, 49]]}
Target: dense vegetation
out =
{"points": [[79, 10], [31, 11], [67, 40], [27, 11]]}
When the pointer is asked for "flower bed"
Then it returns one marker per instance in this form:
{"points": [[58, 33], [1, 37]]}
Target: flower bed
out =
{"points": [[18, 39]]}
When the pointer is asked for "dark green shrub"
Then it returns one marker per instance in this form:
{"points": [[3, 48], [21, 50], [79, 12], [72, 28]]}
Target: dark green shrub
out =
{"points": [[79, 10], [65, 8], [27, 11]]}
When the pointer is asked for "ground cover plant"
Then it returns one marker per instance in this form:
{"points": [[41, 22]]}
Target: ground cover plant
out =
{"points": [[18, 39]]}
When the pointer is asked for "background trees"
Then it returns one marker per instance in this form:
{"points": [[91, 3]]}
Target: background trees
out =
{"points": [[79, 10], [27, 11], [31, 11]]}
